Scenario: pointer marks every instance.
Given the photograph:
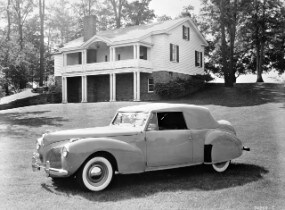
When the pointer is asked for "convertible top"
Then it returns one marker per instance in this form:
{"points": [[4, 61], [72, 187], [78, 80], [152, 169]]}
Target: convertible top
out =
{"points": [[196, 117]]}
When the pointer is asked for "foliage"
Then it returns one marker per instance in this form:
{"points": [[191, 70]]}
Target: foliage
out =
{"points": [[180, 87], [254, 36], [53, 87], [138, 12]]}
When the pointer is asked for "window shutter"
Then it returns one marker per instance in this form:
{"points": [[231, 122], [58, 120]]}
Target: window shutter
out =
{"points": [[177, 53], [201, 59], [183, 32], [171, 58], [196, 58], [188, 31]]}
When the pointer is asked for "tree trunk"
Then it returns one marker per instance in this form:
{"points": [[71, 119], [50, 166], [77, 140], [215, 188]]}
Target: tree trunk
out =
{"points": [[41, 8], [227, 77], [260, 63], [232, 43], [8, 38]]}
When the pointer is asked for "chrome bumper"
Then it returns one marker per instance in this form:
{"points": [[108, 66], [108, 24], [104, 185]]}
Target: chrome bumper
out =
{"points": [[37, 165]]}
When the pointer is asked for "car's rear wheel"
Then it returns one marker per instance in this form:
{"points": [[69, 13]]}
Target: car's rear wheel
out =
{"points": [[96, 174], [221, 167]]}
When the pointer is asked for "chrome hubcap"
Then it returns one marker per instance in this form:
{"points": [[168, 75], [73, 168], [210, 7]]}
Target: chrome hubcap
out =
{"points": [[96, 171]]}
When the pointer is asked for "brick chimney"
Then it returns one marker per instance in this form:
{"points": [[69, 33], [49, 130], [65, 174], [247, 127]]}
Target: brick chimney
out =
{"points": [[89, 27]]}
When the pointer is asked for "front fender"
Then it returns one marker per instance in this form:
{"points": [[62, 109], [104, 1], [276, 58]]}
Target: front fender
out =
{"points": [[129, 158], [221, 146]]}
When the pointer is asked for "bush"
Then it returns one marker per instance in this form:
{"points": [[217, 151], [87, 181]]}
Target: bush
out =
{"points": [[181, 87], [52, 86]]}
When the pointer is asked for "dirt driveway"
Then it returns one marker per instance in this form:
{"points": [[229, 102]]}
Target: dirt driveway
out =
{"points": [[254, 181]]}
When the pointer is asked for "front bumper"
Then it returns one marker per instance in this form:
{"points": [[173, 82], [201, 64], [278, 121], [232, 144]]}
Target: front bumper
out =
{"points": [[37, 165]]}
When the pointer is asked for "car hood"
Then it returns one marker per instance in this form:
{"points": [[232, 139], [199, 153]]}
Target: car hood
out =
{"points": [[107, 131]]}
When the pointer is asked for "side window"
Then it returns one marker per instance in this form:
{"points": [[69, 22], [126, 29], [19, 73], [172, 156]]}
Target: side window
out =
{"points": [[152, 125], [171, 121]]}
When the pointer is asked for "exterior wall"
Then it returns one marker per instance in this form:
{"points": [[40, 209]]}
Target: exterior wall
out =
{"points": [[124, 87], [161, 52], [125, 53], [74, 93], [158, 77], [58, 64], [98, 88], [102, 52]]}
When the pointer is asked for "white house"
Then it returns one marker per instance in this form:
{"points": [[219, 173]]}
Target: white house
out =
{"points": [[125, 64]]}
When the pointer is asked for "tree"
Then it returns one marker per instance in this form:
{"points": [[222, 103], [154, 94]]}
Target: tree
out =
{"points": [[163, 18], [138, 12], [117, 6], [42, 45]]}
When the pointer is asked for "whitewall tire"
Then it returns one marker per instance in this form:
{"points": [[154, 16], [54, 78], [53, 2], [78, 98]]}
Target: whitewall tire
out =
{"points": [[96, 174], [221, 167]]}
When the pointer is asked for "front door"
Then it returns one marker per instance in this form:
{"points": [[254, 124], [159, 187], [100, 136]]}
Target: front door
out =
{"points": [[168, 140]]}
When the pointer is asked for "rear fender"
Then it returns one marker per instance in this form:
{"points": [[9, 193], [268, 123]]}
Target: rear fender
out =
{"points": [[221, 146], [129, 158]]}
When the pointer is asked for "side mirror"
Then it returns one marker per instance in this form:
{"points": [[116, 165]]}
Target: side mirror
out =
{"points": [[152, 127]]}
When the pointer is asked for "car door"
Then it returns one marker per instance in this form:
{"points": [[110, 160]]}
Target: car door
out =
{"points": [[168, 141]]}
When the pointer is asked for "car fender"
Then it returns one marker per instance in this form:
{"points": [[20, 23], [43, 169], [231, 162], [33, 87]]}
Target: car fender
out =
{"points": [[129, 158], [221, 146]]}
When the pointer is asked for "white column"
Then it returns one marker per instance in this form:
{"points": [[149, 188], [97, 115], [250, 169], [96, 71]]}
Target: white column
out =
{"points": [[138, 86], [135, 51], [111, 54], [114, 87], [114, 54], [64, 89], [135, 86], [84, 89], [84, 57], [138, 51], [111, 87]]}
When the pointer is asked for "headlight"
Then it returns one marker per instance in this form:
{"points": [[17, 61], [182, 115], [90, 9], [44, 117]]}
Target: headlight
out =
{"points": [[64, 152]]}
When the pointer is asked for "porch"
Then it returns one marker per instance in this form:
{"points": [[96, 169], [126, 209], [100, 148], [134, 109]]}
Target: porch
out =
{"points": [[100, 56], [118, 86]]}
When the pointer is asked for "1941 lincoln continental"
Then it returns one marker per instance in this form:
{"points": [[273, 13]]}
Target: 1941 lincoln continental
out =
{"points": [[140, 138]]}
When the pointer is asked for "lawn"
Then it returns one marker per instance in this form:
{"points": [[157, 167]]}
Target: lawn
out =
{"points": [[253, 181]]}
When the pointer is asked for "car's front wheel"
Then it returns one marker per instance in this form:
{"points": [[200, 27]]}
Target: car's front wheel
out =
{"points": [[221, 167], [96, 174]]}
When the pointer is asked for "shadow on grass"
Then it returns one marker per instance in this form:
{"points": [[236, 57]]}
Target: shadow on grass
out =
{"points": [[183, 179], [31, 119], [242, 94]]}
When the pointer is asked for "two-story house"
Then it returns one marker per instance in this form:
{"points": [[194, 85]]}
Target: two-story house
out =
{"points": [[126, 63]]}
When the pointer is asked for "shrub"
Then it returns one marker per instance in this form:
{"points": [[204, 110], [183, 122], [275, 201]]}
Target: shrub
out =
{"points": [[52, 86], [181, 87]]}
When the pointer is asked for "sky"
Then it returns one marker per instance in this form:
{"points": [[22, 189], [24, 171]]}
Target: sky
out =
{"points": [[173, 7]]}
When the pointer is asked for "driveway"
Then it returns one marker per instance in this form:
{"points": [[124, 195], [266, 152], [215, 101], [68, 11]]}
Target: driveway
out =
{"points": [[254, 181]]}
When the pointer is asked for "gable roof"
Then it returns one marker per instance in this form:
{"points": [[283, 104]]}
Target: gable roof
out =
{"points": [[131, 34]]}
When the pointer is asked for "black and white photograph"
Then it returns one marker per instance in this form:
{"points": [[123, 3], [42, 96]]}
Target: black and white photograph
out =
{"points": [[142, 104]]}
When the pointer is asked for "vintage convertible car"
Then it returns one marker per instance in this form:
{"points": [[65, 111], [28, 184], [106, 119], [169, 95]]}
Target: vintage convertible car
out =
{"points": [[140, 138]]}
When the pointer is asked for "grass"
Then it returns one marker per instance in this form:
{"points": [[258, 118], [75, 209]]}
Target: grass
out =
{"points": [[253, 181]]}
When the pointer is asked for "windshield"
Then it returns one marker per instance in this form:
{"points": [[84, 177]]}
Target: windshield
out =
{"points": [[134, 119]]}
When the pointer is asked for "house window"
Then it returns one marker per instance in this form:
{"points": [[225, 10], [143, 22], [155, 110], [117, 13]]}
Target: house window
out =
{"points": [[106, 58], [186, 33], [143, 53], [198, 59], [119, 57], [174, 53], [150, 85]]}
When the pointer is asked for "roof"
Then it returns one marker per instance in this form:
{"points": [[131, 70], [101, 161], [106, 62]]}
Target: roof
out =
{"points": [[196, 117], [131, 34], [160, 107]]}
